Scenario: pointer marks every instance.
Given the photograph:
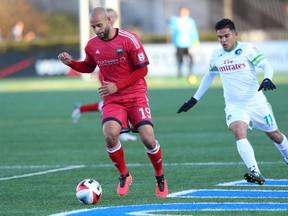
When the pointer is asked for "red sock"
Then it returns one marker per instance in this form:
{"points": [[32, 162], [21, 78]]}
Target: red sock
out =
{"points": [[116, 154], [155, 156], [89, 108]]}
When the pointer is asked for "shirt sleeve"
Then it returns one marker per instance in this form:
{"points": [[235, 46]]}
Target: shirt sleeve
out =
{"points": [[254, 55], [208, 77], [137, 52], [133, 77], [89, 55], [260, 61], [204, 85], [267, 69], [140, 58], [82, 67]]}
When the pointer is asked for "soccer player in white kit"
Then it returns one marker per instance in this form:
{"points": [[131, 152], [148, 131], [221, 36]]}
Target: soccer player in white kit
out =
{"points": [[245, 103]]}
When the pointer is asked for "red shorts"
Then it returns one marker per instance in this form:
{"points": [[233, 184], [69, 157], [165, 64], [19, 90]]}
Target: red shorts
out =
{"points": [[134, 111]]}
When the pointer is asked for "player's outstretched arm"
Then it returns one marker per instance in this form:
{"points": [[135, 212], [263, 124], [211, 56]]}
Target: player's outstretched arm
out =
{"points": [[267, 84], [187, 105], [204, 85], [80, 66]]}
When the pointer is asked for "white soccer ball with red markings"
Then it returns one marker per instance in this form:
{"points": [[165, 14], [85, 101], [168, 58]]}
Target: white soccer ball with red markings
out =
{"points": [[88, 191]]}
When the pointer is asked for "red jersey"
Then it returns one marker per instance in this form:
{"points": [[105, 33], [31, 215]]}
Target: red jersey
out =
{"points": [[117, 58]]}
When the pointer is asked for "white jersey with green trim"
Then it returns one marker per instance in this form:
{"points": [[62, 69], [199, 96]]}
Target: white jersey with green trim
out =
{"points": [[237, 71]]}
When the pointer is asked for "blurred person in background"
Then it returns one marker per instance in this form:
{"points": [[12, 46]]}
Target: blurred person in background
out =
{"points": [[123, 64], [17, 31], [97, 106], [1, 38], [184, 37], [245, 102], [29, 36]]}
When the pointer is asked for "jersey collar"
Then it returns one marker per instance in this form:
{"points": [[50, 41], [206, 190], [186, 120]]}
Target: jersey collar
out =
{"points": [[236, 45]]}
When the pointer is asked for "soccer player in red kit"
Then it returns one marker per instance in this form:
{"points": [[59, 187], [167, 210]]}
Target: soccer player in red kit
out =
{"points": [[79, 109], [123, 64]]}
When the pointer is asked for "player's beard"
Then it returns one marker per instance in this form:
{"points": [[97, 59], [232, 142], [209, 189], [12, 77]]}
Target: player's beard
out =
{"points": [[104, 35]]}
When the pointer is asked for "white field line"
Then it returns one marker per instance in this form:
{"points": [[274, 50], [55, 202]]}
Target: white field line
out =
{"points": [[69, 167], [111, 165], [33, 166], [42, 172], [131, 165]]}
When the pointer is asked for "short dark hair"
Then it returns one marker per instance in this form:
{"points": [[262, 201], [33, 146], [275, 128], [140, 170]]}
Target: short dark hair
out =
{"points": [[225, 23]]}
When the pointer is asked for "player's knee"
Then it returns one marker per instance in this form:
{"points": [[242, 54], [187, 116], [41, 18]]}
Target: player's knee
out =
{"points": [[239, 133], [150, 143], [111, 138], [239, 129], [276, 136]]}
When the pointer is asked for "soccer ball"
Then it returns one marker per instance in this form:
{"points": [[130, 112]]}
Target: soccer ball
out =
{"points": [[88, 191]]}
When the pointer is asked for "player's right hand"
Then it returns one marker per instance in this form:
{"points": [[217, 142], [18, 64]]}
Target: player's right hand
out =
{"points": [[108, 88], [187, 105], [65, 58]]}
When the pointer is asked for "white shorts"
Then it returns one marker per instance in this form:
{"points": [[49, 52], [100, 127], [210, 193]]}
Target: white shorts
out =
{"points": [[260, 117]]}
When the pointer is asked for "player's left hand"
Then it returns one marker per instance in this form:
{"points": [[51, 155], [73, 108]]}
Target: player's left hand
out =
{"points": [[107, 89], [267, 84]]}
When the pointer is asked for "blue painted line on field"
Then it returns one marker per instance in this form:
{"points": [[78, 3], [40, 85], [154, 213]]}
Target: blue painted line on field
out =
{"points": [[215, 193], [155, 209], [269, 182], [166, 209]]}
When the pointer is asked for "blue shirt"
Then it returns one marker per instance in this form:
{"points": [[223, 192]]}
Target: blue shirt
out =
{"points": [[184, 32]]}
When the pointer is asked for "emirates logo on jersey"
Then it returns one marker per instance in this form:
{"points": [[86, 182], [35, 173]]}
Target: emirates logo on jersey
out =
{"points": [[120, 52], [231, 67]]}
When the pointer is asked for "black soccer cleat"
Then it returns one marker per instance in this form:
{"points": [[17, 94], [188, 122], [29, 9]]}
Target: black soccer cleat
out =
{"points": [[254, 177]]}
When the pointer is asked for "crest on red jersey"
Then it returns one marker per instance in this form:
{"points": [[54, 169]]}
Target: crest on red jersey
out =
{"points": [[120, 52]]}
